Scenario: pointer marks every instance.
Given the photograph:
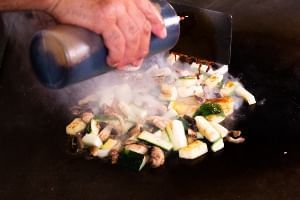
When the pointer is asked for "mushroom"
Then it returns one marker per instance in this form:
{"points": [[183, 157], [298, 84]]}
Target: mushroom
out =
{"points": [[80, 144], [192, 133], [157, 157], [235, 140], [135, 130], [234, 137], [87, 117], [158, 121], [94, 151], [136, 147], [105, 133], [234, 133], [190, 139], [114, 156]]}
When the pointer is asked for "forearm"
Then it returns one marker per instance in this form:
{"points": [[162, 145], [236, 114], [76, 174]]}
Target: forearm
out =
{"points": [[16, 5]]}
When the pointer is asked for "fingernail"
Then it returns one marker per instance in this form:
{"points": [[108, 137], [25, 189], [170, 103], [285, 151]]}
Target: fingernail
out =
{"points": [[112, 64]]}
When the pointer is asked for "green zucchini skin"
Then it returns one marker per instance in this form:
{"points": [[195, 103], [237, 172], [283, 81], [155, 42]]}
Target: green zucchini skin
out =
{"points": [[155, 140], [132, 160]]}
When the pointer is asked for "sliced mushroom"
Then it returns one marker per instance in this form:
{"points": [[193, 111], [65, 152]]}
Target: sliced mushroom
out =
{"points": [[87, 117], [234, 137], [191, 139], [130, 141], [238, 140], [114, 156], [157, 157], [135, 130], [105, 133], [118, 146], [94, 151], [158, 121], [192, 133], [234, 133], [80, 144], [192, 123], [138, 148]]}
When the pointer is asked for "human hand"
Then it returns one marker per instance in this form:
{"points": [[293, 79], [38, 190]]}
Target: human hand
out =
{"points": [[125, 25]]}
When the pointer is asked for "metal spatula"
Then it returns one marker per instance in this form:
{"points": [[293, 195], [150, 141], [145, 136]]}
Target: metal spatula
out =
{"points": [[204, 34]]}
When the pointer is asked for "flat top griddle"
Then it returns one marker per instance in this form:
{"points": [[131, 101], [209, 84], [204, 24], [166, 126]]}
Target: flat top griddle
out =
{"points": [[35, 165]]}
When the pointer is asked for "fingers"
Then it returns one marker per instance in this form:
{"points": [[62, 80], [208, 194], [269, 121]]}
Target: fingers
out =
{"points": [[144, 28], [152, 14], [115, 42], [128, 40], [131, 33]]}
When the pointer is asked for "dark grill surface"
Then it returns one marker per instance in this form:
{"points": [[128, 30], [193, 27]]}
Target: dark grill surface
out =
{"points": [[265, 55]]}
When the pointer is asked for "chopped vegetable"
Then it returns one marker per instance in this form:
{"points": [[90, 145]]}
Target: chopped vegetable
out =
{"points": [[109, 144], [184, 122], [154, 139], [168, 92], [228, 88], [157, 157], [199, 135], [208, 109], [245, 94], [102, 153], [221, 129], [87, 117], [76, 126], [167, 106], [105, 133], [92, 140], [137, 147], [218, 145], [213, 80], [189, 91], [186, 81], [193, 150], [177, 135], [208, 131], [226, 104], [185, 106], [215, 118], [95, 127], [132, 160], [170, 114]]}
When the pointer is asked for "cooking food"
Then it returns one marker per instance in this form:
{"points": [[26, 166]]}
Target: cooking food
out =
{"points": [[180, 108]]}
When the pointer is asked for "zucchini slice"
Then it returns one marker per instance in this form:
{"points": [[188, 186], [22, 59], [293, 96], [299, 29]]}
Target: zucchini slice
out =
{"points": [[76, 126], [241, 91], [92, 140], [132, 160], [187, 81], [156, 140], [95, 127], [177, 134], [193, 150], [221, 129], [218, 145], [208, 131]]}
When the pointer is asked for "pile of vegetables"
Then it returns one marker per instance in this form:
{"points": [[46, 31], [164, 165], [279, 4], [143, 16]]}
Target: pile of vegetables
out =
{"points": [[194, 101]]}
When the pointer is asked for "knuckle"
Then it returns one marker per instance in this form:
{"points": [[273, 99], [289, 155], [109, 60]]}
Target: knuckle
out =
{"points": [[147, 28], [133, 30]]}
